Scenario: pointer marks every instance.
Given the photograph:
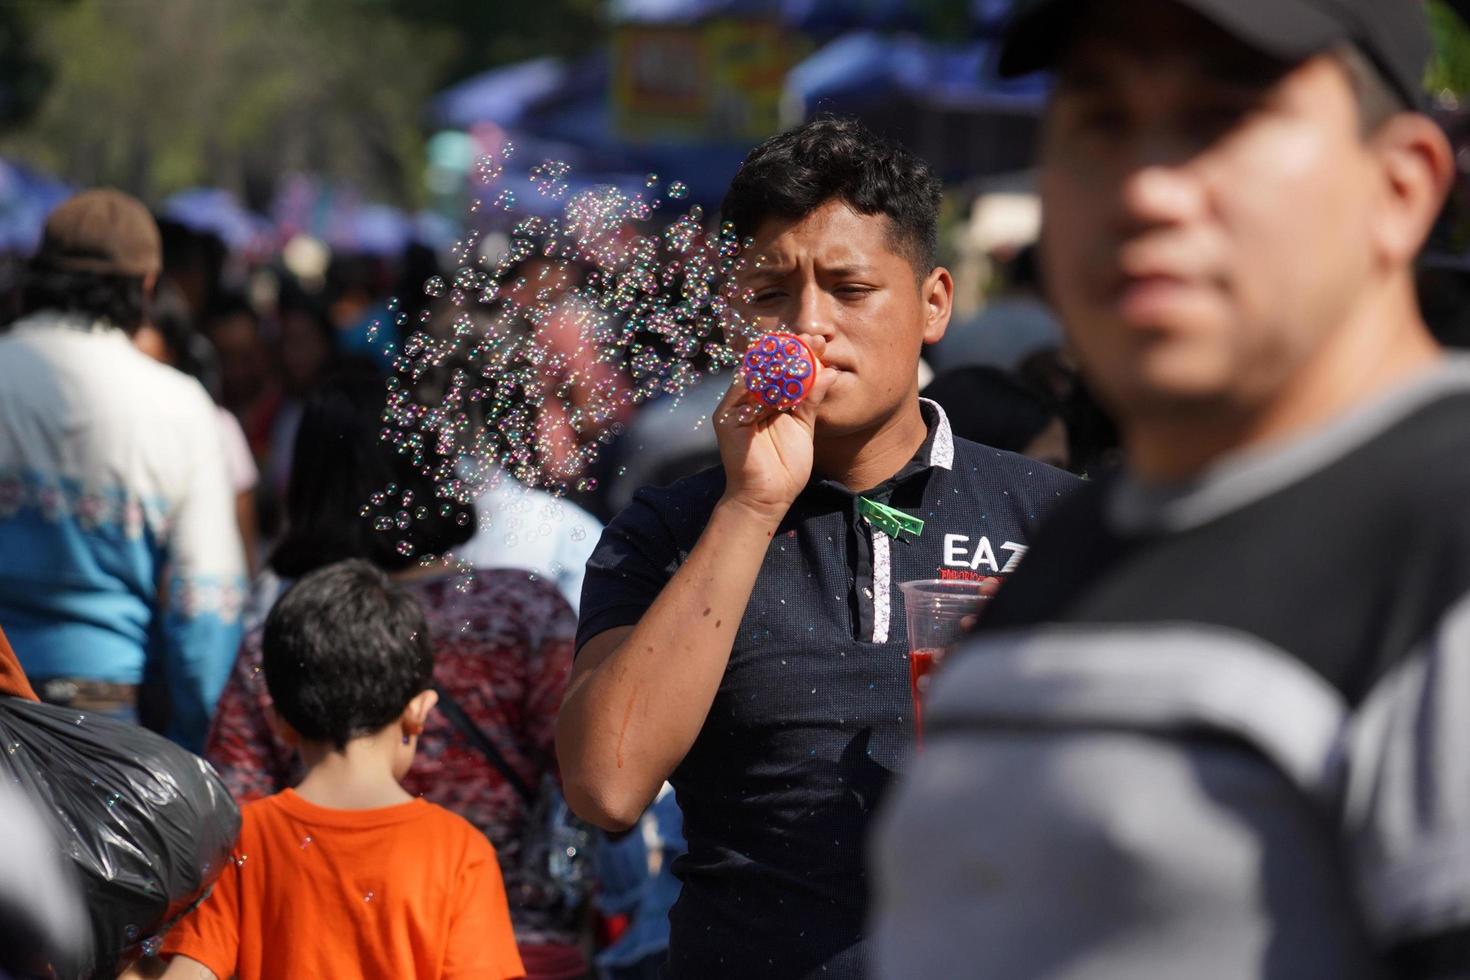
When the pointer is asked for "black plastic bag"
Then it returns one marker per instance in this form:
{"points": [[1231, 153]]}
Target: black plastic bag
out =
{"points": [[147, 824]]}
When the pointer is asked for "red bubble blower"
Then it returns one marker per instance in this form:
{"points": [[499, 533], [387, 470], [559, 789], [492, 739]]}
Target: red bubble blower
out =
{"points": [[779, 369]]}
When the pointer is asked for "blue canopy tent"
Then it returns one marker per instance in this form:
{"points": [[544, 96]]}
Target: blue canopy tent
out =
{"points": [[588, 121], [526, 197], [26, 199], [557, 110], [572, 112], [502, 95], [688, 11], [864, 72], [863, 68], [943, 100], [989, 17], [825, 18], [217, 212], [818, 18], [371, 229]]}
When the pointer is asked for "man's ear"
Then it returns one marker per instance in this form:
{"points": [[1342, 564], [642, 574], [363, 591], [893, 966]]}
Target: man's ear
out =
{"points": [[282, 727], [937, 292], [1418, 168], [416, 713]]}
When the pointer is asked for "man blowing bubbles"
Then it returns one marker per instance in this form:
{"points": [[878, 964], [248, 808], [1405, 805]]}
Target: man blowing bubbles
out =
{"points": [[742, 633]]}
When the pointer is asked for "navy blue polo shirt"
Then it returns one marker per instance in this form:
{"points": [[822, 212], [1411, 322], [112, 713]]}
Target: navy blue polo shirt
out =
{"points": [[814, 715]]}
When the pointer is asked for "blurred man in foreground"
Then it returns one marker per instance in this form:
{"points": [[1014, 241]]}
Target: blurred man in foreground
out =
{"points": [[1238, 748]]}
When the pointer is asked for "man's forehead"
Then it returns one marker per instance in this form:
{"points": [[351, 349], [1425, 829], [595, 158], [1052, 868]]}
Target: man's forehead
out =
{"points": [[834, 234]]}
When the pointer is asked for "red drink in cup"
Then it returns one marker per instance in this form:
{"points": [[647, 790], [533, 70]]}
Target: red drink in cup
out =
{"points": [[921, 662], [939, 611]]}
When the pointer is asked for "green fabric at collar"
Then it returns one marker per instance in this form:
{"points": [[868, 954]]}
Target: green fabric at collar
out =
{"points": [[894, 523]]}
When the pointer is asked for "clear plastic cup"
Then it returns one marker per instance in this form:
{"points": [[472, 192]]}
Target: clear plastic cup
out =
{"points": [[939, 612]]}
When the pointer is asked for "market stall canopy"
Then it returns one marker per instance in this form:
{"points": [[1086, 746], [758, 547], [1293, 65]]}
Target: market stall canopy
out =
{"points": [[820, 18], [860, 69], [218, 212], [506, 96], [26, 198]]}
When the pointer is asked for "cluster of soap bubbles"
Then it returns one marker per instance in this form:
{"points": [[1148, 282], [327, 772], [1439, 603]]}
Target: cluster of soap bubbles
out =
{"points": [[530, 361]]}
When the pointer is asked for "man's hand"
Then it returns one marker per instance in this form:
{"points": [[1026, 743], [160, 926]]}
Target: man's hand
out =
{"points": [[639, 696], [768, 454]]}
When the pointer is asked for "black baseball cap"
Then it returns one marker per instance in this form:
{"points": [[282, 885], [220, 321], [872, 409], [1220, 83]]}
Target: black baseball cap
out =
{"points": [[1393, 34]]}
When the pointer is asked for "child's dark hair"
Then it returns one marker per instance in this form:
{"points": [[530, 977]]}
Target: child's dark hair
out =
{"points": [[345, 650], [791, 175]]}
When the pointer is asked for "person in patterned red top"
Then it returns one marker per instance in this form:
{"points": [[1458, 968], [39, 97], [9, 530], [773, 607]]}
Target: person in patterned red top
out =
{"points": [[502, 650]]}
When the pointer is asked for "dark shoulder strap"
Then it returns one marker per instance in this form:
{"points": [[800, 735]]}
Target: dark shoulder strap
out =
{"points": [[466, 727]]}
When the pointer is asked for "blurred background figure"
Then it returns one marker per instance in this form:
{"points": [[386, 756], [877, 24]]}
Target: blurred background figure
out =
{"points": [[303, 348], [347, 185], [247, 378], [502, 650], [515, 526], [122, 556], [636, 889], [669, 439], [169, 338], [1014, 323], [994, 407], [522, 527]]}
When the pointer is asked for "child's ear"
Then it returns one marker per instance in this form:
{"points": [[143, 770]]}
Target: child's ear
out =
{"points": [[416, 714], [282, 727]]}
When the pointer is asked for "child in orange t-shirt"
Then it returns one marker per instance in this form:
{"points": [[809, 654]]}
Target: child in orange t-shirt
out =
{"points": [[347, 875]]}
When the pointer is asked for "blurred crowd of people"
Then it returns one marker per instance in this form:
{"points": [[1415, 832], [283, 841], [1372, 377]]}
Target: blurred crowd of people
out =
{"points": [[287, 460], [592, 648]]}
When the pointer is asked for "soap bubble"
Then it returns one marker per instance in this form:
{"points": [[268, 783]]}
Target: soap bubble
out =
{"points": [[535, 356]]}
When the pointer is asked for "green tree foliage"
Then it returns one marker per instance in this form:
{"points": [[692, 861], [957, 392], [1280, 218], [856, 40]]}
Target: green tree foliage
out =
{"points": [[496, 32], [154, 97], [1450, 70], [24, 74]]}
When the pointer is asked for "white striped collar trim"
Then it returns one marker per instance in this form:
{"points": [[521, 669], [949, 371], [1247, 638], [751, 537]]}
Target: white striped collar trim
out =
{"points": [[941, 453], [882, 584]]}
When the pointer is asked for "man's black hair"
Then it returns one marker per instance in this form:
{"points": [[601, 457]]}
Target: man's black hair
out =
{"points": [[187, 348], [120, 300], [226, 304], [344, 652], [791, 175], [338, 503]]}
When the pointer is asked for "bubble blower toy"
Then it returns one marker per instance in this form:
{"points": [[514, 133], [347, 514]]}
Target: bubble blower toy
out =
{"points": [[779, 369]]}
